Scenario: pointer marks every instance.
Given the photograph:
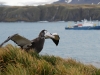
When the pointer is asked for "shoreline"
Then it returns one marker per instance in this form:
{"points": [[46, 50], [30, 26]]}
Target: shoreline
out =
{"points": [[95, 64]]}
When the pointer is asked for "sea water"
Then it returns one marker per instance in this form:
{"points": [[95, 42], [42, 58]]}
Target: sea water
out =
{"points": [[81, 45]]}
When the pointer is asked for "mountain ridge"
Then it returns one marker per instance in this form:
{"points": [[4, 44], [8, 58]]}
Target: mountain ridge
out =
{"points": [[78, 1]]}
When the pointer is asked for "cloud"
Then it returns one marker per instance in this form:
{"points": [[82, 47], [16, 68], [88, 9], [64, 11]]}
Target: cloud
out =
{"points": [[26, 2]]}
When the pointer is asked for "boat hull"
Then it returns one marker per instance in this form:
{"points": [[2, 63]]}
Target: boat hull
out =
{"points": [[84, 28]]}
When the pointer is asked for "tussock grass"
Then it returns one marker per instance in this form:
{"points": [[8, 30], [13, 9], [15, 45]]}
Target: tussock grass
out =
{"points": [[15, 61]]}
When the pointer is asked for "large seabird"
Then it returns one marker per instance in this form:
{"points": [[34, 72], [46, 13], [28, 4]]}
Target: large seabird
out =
{"points": [[35, 44]]}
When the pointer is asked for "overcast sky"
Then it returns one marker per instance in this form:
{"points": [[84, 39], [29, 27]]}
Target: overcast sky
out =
{"points": [[26, 2]]}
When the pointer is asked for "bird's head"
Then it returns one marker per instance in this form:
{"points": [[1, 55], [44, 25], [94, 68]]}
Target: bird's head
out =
{"points": [[47, 35]]}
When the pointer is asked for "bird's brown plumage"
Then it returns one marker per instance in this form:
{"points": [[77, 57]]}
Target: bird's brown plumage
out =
{"points": [[35, 44]]}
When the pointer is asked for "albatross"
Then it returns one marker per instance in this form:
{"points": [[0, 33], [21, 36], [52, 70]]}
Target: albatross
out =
{"points": [[35, 44]]}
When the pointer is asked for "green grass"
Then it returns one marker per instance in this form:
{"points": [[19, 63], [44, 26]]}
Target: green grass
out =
{"points": [[15, 61]]}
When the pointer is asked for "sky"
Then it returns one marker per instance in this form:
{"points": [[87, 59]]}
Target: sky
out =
{"points": [[26, 2]]}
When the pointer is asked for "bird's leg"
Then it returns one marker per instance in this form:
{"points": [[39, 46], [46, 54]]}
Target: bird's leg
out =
{"points": [[9, 38]]}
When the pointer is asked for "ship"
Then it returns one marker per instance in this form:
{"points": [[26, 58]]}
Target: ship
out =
{"points": [[85, 25]]}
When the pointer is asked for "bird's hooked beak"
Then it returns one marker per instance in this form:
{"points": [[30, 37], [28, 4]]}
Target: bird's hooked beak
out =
{"points": [[54, 36]]}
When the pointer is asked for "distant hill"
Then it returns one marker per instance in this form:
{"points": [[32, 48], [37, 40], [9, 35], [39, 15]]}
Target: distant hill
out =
{"points": [[53, 12], [79, 1]]}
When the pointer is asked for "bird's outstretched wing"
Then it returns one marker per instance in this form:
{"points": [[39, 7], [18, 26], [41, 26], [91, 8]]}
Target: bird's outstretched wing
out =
{"points": [[20, 41], [56, 38], [55, 41]]}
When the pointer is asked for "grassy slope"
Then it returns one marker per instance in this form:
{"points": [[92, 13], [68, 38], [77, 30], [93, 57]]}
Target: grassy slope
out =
{"points": [[14, 61]]}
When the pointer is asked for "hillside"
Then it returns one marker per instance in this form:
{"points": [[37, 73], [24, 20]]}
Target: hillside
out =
{"points": [[56, 12]]}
